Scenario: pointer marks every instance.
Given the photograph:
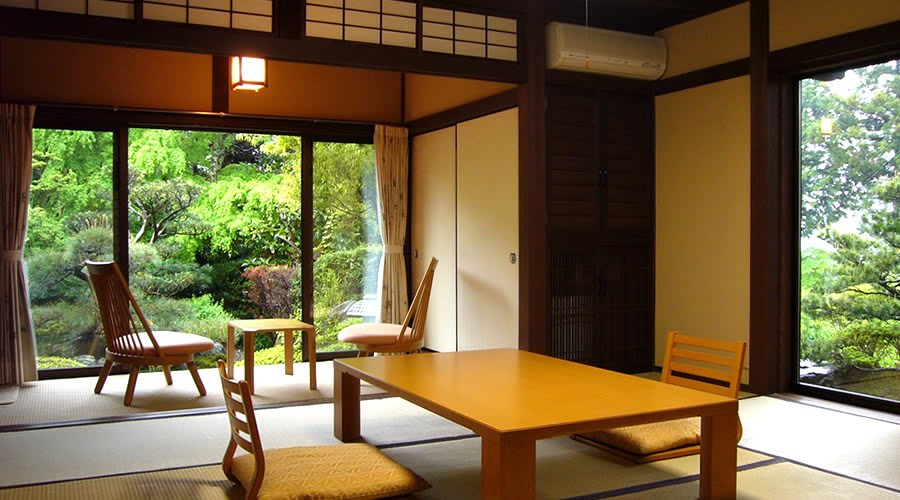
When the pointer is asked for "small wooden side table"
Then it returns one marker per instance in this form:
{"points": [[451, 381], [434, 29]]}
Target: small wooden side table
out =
{"points": [[251, 327]]}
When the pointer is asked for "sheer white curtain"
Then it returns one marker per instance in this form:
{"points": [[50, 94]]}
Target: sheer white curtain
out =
{"points": [[392, 169], [18, 362]]}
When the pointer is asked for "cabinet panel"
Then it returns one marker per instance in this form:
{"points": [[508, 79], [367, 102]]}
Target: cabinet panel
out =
{"points": [[433, 224], [601, 312], [600, 214], [488, 231]]}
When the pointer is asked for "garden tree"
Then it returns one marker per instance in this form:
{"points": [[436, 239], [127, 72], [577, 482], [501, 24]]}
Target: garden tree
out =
{"points": [[851, 300], [860, 294], [71, 176], [838, 169], [163, 207], [249, 217]]}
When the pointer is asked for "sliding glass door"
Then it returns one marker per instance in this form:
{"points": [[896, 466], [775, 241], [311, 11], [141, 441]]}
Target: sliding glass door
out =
{"points": [[849, 300], [213, 231], [70, 219]]}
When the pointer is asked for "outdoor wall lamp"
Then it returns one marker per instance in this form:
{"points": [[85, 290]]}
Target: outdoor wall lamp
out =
{"points": [[826, 126], [248, 73]]}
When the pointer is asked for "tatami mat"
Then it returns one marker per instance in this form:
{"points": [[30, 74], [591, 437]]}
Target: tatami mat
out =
{"points": [[859, 447], [789, 450], [779, 481], [196, 483], [564, 468], [8, 394], [94, 450], [50, 401]]}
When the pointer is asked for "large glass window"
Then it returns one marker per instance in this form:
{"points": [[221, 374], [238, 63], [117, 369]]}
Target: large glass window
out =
{"points": [[214, 223], [850, 231], [347, 241], [69, 221], [214, 233]]}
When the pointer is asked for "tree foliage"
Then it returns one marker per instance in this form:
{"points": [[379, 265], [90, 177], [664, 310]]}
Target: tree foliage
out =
{"points": [[214, 228], [850, 294]]}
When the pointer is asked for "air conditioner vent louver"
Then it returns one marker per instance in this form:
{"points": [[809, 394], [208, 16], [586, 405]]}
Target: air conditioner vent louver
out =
{"points": [[571, 47]]}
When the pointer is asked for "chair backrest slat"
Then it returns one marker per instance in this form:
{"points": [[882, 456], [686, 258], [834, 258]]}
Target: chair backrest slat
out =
{"points": [[701, 371], [414, 323], [704, 366], [119, 311], [238, 402], [713, 359]]}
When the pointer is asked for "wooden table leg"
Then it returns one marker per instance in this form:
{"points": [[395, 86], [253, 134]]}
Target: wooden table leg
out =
{"points": [[507, 467], [288, 352], [718, 456], [249, 346], [229, 353], [346, 406], [310, 346]]}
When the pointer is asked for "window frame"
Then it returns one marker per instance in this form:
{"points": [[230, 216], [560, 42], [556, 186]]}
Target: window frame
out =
{"points": [[790, 150], [120, 122]]}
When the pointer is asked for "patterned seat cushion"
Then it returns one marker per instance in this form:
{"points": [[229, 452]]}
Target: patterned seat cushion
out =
{"points": [[346, 471], [370, 333], [655, 437], [170, 343]]}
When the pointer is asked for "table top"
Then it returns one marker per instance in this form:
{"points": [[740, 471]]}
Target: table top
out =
{"points": [[269, 325], [508, 390]]}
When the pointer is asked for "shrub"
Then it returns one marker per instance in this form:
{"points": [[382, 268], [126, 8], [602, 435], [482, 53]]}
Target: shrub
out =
{"points": [[272, 290], [268, 356], [199, 315], [64, 329], [342, 276], [45, 362]]}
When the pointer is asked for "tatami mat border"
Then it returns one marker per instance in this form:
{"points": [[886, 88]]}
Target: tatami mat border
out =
{"points": [[158, 415], [104, 476], [820, 469], [668, 482], [195, 466]]}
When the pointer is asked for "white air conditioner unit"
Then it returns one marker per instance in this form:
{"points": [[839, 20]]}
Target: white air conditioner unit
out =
{"points": [[571, 47]]}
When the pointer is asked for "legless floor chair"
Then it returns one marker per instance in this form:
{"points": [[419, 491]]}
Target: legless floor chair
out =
{"points": [[349, 471], [129, 338], [708, 359], [406, 337]]}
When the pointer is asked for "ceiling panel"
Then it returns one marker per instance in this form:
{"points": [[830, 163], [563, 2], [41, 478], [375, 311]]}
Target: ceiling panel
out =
{"points": [[637, 16]]}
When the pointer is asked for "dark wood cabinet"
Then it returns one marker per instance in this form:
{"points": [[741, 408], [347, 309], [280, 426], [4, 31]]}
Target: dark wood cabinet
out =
{"points": [[600, 202]]}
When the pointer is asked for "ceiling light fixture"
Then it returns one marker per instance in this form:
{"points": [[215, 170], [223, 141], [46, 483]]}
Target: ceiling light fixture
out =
{"points": [[248, 73]]}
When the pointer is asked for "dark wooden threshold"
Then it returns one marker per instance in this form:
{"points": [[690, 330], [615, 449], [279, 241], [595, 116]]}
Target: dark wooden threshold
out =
{"points": [[705, 76], [482, 107]]}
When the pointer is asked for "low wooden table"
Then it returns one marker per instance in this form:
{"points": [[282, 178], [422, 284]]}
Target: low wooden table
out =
{"points": [[251, 327], [512, 398]]}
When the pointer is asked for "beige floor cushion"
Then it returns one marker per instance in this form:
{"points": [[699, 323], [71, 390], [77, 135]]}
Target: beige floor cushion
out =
{"points": [[346, 471], [650, 438]]}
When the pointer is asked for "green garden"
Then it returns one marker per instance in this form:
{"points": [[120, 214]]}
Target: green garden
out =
{"points": [[214, 234], [850, 231]]}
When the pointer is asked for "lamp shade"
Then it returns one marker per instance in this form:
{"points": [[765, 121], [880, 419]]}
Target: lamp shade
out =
{"points": [[248, 73], [827, 126]]}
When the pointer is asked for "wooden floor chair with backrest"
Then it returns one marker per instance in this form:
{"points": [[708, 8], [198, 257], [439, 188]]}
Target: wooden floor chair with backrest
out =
{"points": [[351, 470], [709, 365], [130, 340], [406, 337]]}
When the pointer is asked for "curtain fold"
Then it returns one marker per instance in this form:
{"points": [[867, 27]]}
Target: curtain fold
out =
{"points": [[392, 176], [18, 357]]}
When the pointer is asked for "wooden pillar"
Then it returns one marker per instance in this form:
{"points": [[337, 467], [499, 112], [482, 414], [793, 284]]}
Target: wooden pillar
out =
{"points": [[765, 212], [533, 295]]}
